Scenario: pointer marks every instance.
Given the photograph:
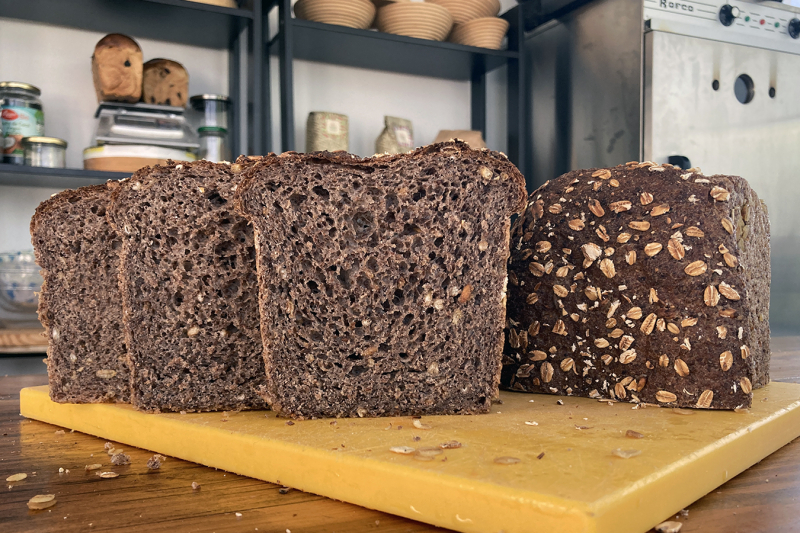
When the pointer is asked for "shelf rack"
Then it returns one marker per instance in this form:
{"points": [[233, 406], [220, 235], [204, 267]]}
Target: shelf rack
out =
{"points": [[177, 21], [56, 178], [301, 39], [197, 24]]}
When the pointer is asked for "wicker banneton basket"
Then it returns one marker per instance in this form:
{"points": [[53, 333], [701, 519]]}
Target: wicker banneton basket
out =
{"points": [[483, 32], [466, 10], [380, 3], [415, 19], [352, 13]]}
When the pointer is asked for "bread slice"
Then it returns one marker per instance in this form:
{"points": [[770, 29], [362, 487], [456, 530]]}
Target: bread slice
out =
{"points": [[382, 280], [641, 283], [117, 69], [79, 303], [189, 293]]}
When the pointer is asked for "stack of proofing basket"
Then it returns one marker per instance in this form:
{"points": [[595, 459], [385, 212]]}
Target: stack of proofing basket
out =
{"points": [[467, 22]]}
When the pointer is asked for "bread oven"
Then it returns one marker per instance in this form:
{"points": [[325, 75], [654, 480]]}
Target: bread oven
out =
{"points": [[694, 83]]}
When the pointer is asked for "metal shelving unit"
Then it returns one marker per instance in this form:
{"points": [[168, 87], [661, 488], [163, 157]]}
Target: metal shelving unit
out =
{"points": [[301, 39], [65, 178], [177, 21]]}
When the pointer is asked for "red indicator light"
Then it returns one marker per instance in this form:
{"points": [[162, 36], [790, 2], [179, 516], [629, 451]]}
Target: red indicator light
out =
{"points": [[762, 22]]}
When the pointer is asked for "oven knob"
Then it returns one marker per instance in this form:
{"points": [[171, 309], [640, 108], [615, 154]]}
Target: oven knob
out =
{"points": [[727, 14], [794, 28]]}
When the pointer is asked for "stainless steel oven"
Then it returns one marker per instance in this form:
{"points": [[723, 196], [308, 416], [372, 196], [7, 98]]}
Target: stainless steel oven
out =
{"points": [[703, 83]]}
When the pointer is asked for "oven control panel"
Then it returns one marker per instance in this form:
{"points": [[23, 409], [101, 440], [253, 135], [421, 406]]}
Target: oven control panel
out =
{"points": [[766, 24]]}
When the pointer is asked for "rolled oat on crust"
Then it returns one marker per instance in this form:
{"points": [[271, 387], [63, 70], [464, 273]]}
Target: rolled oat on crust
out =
{"points": [[641, 283]]}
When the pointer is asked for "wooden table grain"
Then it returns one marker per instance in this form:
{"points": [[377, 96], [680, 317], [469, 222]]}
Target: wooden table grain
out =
{"points": [[30, 340], [765, 498]]}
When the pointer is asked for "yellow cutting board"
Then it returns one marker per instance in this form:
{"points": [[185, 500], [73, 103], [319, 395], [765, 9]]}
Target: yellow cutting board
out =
{"points": [[567, 479]]}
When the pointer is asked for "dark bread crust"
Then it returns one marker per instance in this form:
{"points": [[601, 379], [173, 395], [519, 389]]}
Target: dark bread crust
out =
{"points": [[188, 285], [564, 337], [382, 280], [79, 301]]}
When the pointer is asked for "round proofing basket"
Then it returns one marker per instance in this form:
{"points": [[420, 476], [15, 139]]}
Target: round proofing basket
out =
{"points": [[483, 32], [413, 19], [380, 3], [351, 13], [466, 10]]}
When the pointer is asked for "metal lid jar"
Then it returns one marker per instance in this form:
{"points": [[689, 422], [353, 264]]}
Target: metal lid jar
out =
{"points": [[213, 144], [47, 152], [213, 110], [22, 116]]}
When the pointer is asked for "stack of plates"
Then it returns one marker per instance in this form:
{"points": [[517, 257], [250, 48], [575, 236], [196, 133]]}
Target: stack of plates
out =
{"points": [[352, 13], [466, 10], [414, 19], [485, 32]]}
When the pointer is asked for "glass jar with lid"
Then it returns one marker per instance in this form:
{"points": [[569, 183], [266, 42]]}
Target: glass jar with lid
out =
{"points": [[47, 152], [212, 110], [214, 144], [22, 116]]}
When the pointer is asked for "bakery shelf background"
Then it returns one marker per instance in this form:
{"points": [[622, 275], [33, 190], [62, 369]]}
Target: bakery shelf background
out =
{"points": [[179, 22], [340, 45], [49, 43]]}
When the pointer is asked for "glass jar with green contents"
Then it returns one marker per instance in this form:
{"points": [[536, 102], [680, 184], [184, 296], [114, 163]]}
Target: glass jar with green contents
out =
{"points": [[22, 116], [214, 144]]}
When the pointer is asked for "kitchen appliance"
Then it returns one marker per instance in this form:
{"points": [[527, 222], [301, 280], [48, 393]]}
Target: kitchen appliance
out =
{"points": [[708, 83], [140, 123]]}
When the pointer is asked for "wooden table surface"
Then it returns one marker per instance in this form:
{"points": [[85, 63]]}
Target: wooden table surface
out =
{"points": [[28, 340], [764, 498]]}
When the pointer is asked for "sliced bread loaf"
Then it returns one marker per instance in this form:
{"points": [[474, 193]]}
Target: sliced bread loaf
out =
{"points": [[189, 293], [79, 303], [382, 280], [641, 283]]}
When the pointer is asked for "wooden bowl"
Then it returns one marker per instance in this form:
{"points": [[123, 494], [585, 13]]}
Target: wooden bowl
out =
{"points": [[466, 10], [415, 19], [351, 13], [485, 32]]}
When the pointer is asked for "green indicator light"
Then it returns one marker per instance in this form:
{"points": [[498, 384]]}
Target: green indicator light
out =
{"points": [[777, 24], [747, 19]]}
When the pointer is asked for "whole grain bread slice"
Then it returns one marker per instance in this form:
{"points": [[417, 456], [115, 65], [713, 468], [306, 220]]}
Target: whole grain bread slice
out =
{"points": [[189, 291], [79, 303], [382, 280], [641, 283]]}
